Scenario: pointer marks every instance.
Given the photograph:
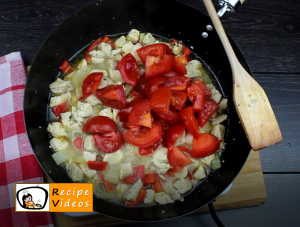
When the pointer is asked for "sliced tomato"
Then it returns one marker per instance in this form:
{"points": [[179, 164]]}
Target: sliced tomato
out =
{"points": [[124, 112], [156, 66], [109, 142], [152, 84], [141, 114], [128, 179], [157, 187], [189, 120], [129, 69], [92, 47], [150, 149], [112, 96], [181, 59], [160, 100], [205, 145], [164, 124], [78, 143], [177, 158], [139, 172], [95, 165], [91, 84], [203, 87], [179, 65], [172, 73], [99, 124], [208, 109], [173, 42], [140, 86], [196, 95], [185, 149], [61, 108], [108, 41], [108, 187], [178, 100], [172, 116], [172, 134], [177, 83], [66, 68], [190, 176], [157, 50], [139, 199], [149, 178], [169, 173], [145, 136], [186, 51]]}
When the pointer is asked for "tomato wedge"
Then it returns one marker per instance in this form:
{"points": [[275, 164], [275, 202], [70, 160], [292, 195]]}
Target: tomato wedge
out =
{"points": [[139, 172], [108, 41], [99, 124], [112, 96], [152, 84], [208, 109], [205, 145], [128, 180], [124, 113], [78, 143], [139, 199], [169, 173], [140, 86], [109, 142], [129, 69], [157, 50], [149, 178], [108, 187], [196, 95], [179, 65], [157, 187], [186, 51], [141, 114], [156, 66], [189, 120], [178, 83], [185, 149], [149, 150], [145, 136], [61, 108], [177, 158], [172, 134], [160, 100], [172, 116], [91, 84], [66, 68], [203, 87], [178, 100], [95, 165], [92, 47]]}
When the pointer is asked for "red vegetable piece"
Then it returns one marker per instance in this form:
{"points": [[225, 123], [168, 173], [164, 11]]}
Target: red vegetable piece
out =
{"points": [[91, 84], [139, 173], [157, 187], [139, 199], [78, 143], [149, 178], [157, 50], [179, 65], [190, 176], [108, 41], [205, 145], [150, 149], [196, 95], [128, 179], [208, 109], [124, 113], [177, 158], [110, 142], [95, 165], [152, 84], [108, 187], [160, 100], [92, 47], [169, 173], [172, 134], [66, 68], [203, 87], [61, 108], [172, 116], [185, 149], [140, 86], [178, 100], [186, 51], [155, 66], [177, 83], [189, 120], [145, 136], [141, 114], [112, 96], [129, 69], [99, 124]]}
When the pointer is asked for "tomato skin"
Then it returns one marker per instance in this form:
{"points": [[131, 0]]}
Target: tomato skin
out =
{"points": [[92, 47], [157, 187], [61, 108], [112, 96], [179, 65], [149, 178], [189, 120], [203, 87], [91, 84], [169, 173], [95, 165], [186, 51], [109, 142], [160, 100], [78, 143], [141, 114], [129, 69], [99, 124], [150, 149], [177, 158], [178, 100], [107, 185], [155, 66], [196, 95], [172, 134], [152, 84], [177, 82], [140, 86], [185, 149], [205, 145], [157, 50], [139, 173], [108, 41], [171, 116], [208, 109], [139, 199], [128, 179], [124, 113], [65, 67], [145, 136]]}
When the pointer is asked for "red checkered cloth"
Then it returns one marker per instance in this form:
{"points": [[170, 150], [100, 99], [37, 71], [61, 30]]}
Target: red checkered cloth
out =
{"points": [[17, 161]]}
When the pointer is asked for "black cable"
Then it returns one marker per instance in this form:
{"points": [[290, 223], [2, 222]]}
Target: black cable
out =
{"points": [[214, 215]]}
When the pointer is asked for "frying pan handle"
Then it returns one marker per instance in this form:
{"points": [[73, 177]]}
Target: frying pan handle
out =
{"points": [[228, 5]]}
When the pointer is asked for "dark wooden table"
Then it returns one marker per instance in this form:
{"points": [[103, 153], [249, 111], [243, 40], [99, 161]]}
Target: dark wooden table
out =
{"points": [[268, 33]]}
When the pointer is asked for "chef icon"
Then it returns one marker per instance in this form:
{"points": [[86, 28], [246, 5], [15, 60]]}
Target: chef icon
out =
{"points": [[27, 201]]}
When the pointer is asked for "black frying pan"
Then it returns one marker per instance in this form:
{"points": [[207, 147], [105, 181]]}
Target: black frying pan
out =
{"points": [[165, 18]]}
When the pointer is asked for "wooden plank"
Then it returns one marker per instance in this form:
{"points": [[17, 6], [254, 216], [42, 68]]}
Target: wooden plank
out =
{"points": [[248, 189]]}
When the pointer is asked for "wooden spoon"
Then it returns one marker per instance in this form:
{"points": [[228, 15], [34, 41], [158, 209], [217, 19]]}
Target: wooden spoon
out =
{"points": [[250, 100]]}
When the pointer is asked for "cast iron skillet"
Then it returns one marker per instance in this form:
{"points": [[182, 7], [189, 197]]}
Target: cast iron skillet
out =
{"points": [[119, 16]]}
